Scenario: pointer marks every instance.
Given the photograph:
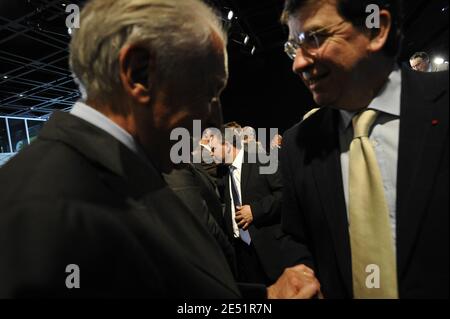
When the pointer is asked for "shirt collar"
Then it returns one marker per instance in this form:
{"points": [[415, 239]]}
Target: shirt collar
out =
{"points": [[237, 163], [94, 117], [387, 100]]}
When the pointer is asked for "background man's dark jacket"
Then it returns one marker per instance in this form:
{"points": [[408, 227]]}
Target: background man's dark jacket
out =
{"points": [[197, 191], [263, 192]]}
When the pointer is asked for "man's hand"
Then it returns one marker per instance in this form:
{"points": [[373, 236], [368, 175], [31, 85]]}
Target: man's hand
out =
{"points": [[297, 282], [244, 216]]}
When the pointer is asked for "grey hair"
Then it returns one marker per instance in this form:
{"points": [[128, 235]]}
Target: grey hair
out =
{"points": [[173, 30]]}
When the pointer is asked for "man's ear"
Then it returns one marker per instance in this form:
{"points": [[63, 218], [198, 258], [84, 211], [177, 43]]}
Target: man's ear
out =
{"points": [[380, 35], [135, 67]]}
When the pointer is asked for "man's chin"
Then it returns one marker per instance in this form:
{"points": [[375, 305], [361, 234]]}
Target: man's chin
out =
{"points": [[321, 99]]}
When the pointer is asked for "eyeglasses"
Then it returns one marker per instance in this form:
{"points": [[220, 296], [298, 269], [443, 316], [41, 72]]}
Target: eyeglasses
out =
{"points": [[309, 41], [417, 65]]}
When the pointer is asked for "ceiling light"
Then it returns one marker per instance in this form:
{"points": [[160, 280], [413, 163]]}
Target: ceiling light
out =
{"points": [[438, 60], [5, 76], [230, 15], [69, 31], [253, 50], [246, 39]]}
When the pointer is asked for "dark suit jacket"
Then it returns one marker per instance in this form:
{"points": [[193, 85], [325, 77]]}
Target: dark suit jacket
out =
{"points": [[196, 190], [210, 193], [263, 193], [314, 210], [78, 196]]}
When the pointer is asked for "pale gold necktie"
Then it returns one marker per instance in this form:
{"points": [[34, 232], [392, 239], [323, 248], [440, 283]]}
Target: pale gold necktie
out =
{"points": [[373, 257]]}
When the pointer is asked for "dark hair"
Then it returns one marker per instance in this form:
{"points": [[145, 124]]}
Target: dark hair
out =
{"points": [[234, 139], [232, 124], [354, 11], [422, 55]]}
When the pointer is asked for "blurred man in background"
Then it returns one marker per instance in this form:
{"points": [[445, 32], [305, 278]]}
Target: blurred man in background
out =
{"points": [[420, 61]]}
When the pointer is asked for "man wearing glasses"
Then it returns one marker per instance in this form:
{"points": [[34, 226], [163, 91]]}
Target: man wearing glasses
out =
{"points": [[420, 61], [366, 176]]}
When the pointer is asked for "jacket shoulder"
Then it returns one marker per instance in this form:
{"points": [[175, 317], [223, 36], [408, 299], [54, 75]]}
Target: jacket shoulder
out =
{"points": [[310, 123], [49, 169]]}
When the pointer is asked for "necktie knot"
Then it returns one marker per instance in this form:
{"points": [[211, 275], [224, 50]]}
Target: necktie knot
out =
{"points": [[362, 123]]}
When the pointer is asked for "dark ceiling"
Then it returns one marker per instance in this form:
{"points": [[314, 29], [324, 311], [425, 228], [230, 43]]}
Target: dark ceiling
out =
{"points": [[262, 91]]}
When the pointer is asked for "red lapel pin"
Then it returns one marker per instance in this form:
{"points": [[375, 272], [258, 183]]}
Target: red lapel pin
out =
{"points": [[434, 122]]}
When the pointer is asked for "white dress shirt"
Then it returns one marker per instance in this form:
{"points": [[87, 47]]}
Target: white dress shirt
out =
{"points": [[384, 137], [96, 118], [236, 174]]}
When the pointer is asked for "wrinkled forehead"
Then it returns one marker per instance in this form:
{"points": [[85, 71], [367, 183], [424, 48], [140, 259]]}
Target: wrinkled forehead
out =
{"points": [[313, 15]]}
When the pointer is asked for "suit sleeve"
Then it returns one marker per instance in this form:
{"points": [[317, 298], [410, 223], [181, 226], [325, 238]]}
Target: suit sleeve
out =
{"points": [[37, 247], [268, 209], [292, 218]]}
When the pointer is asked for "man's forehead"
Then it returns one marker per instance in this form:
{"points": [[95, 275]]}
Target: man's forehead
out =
{"points": [[417, 60], [313, 15]]}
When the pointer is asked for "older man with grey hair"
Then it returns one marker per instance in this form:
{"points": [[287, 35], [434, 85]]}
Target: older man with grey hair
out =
{"points": [[86, 212]]}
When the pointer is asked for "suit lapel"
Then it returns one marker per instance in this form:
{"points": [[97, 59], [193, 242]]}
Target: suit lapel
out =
{"points": [[328, 179], [245, 176], [227, 215], [423, 136]]}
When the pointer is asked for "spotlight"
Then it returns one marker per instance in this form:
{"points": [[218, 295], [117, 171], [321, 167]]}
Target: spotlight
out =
{"points": [[5, 76], [69, 31], [63, 4], [230, 15], [246, 39], [438, 60], [20, 95], [253, 50]]}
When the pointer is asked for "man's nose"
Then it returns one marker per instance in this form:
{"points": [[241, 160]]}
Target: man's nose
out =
{"points": [[302, 61]]}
